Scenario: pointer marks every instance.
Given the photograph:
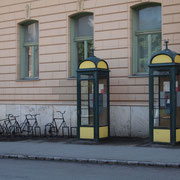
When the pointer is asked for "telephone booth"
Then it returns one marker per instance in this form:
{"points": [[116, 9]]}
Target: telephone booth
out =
{"points": [[164, 97], [93, 99]]}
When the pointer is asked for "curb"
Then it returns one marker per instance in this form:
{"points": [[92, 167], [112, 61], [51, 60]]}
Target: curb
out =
{"points": [[91, 161]]}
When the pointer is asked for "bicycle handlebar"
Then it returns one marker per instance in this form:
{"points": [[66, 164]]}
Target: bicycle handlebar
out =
{"points": [[61, 112], [36, 114], [11, 116], [31, 115]]}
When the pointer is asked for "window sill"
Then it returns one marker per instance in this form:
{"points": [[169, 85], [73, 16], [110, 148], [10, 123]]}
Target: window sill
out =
{"points": [[30, 79], [72, 78], [139, 76]]}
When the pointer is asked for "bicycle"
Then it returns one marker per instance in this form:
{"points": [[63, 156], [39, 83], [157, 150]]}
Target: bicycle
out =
{"points": [[52, 128], [30, 125], [2, 128], [10, 126]]}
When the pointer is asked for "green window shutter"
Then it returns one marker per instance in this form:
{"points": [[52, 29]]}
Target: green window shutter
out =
{"points": [[22, 53], [134, 41], [73, 55]]}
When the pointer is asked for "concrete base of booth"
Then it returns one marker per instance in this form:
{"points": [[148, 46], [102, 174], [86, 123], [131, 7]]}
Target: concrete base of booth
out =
{"points": [[163, 135]]}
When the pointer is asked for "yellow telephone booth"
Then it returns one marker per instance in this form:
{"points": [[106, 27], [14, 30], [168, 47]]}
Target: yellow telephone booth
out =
{"points": [[164, 97], [93, 99]]}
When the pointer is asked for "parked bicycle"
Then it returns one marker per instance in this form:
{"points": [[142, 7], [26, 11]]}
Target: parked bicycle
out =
{"points": [[10, 126], [52, 128], [2, 128], [14, 128], [30, 125]]}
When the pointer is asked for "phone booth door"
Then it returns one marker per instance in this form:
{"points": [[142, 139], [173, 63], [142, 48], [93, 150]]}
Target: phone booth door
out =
{"points": [[87, 109], [103, 107]]}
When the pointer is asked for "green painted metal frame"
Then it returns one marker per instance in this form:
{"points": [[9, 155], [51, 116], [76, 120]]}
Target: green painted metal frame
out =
{"points": [[151, 104], [96, 73]]}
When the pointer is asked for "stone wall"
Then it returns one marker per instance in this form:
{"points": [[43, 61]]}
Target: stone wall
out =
{"points": [[125, 121]]}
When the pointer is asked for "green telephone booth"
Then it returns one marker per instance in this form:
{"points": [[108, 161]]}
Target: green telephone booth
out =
{"points": [[93, 99], [164, 97]]}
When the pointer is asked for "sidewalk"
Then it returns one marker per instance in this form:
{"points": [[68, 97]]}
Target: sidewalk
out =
{"points": [[132, 152]]}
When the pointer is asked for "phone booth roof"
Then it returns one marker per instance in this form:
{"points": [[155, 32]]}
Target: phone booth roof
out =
{"points": [[165, 57], [93, 63]]}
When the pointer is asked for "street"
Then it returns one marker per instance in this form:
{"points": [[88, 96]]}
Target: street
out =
{"points": [[11, 169]]}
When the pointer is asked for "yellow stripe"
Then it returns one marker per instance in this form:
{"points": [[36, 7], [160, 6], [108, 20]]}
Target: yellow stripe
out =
{"points": [[86, 133], [162, 135], [177, 135], [177, 59], [103, 132], [102, 65], [161, 59], [86, 65]]}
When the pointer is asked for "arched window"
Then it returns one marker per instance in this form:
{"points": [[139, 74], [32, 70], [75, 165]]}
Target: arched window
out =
{"points": [[82, 30], [29, 50], [146, 21]]}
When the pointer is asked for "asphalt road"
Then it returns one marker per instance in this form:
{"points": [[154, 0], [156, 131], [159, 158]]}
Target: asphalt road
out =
{"points": [[11, 169]]}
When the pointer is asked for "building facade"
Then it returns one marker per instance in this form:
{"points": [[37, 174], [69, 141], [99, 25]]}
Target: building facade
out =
{"points": [[42, 42]]}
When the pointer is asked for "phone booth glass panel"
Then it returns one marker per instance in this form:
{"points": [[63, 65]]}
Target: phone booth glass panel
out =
{"points": [[87, 115]]}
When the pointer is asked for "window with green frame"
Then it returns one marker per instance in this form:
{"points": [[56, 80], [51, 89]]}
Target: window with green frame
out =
{"points": [[29, 50], [82, 30], [146, 35]]}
